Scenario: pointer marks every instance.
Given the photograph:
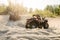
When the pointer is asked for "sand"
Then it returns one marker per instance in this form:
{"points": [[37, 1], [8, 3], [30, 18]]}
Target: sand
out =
{"points": [[10, 30]]}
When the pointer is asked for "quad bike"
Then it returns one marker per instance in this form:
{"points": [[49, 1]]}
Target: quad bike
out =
{"points": [[37, 23], [31, 23]]}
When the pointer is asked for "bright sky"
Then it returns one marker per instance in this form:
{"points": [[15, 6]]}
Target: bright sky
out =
{"points": [[40, 4]]}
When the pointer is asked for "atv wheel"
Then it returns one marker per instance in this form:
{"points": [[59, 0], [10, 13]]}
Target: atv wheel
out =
{"points": [[46, 26]]}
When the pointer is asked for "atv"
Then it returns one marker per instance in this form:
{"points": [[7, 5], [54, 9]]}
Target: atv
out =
{"points": [[37, 22]]}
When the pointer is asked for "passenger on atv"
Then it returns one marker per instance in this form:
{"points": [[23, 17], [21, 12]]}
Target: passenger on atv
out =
{"points": [[36, 22]]}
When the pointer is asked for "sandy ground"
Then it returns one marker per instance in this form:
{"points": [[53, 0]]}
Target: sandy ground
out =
{"points": [[10, 30]]}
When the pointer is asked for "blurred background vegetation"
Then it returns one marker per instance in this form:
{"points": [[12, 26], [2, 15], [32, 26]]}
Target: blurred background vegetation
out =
{"points": [[49, 10]]}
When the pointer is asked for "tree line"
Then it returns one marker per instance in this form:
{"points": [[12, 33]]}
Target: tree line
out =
{"points": [[49, 10]]}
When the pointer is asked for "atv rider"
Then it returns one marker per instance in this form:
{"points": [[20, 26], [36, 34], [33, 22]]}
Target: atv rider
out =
{"points": [[38, 20]]}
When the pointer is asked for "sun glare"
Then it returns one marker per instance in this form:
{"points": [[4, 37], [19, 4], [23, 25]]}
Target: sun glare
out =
{"points": [[40, 4], [5, 2]]}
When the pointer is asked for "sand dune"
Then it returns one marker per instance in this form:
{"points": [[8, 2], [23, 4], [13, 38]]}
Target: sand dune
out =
{"points": [[10, 30]]}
